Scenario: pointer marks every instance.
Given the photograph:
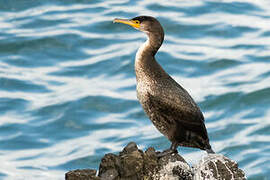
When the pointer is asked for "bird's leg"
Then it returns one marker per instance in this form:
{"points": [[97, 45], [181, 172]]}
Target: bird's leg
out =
{"points": [[171, 150], [174, 146]]}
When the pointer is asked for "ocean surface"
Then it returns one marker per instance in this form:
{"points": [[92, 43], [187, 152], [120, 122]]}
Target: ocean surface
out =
{"points": [[67, 82]]}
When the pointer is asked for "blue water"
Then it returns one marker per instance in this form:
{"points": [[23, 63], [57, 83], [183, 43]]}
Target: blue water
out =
{"points": [[67, 83]]}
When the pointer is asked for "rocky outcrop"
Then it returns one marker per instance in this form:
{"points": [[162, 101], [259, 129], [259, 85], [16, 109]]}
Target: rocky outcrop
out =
{"points": [[217, 166], [134, 164]]}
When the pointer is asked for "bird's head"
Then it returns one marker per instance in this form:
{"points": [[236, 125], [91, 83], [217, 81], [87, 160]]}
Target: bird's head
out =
{"points": [[145, 24]]}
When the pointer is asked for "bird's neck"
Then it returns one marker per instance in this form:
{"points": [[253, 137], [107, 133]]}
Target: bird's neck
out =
{"points": [[145, 63], [150, 47]]}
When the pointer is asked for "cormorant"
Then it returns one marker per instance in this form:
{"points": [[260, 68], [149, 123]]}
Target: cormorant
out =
{"points": [[168, 105]]}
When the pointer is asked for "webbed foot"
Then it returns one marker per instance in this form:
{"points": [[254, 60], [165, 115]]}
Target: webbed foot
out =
{"points": [[166, 152], [171, 150]]}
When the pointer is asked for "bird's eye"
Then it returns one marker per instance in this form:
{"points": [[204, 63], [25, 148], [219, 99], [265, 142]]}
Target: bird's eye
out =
{"points": [[137, 21]]}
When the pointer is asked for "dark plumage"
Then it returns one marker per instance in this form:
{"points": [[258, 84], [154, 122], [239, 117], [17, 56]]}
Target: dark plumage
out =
{"points": [[169, 106]]}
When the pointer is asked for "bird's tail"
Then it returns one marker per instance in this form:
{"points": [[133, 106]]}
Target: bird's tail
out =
{"points": [[210, 151]]}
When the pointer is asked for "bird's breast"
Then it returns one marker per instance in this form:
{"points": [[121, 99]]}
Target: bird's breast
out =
{"points": [[143, 89]]}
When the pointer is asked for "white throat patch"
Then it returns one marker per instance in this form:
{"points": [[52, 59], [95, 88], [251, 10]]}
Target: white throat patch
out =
{"points": [[141, 49]]}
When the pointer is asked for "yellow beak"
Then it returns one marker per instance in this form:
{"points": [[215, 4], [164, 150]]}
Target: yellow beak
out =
{"points": [[128, 22]]}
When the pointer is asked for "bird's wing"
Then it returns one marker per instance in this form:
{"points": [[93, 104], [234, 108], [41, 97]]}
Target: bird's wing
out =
{"points": [[185, 115], [178, 107]]}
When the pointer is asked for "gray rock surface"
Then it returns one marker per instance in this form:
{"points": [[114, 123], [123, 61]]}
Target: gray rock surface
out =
{"points": [[81, 174], [134, 164]]}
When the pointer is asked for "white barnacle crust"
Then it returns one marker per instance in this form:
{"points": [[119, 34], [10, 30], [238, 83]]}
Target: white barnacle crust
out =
{"points": [[210, 167], [167, 171]]}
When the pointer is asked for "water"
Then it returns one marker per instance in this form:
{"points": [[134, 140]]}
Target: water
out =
{"points": [[67, 83]]}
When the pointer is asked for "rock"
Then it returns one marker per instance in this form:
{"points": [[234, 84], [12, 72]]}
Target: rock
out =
{"points": [[81, 174], [217, 166], [173, 166], [134, 164], [173, 171], [108, 166]]}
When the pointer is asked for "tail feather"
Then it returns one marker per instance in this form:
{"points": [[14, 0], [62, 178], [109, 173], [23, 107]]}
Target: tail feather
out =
{"points": [[210, 151]]}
